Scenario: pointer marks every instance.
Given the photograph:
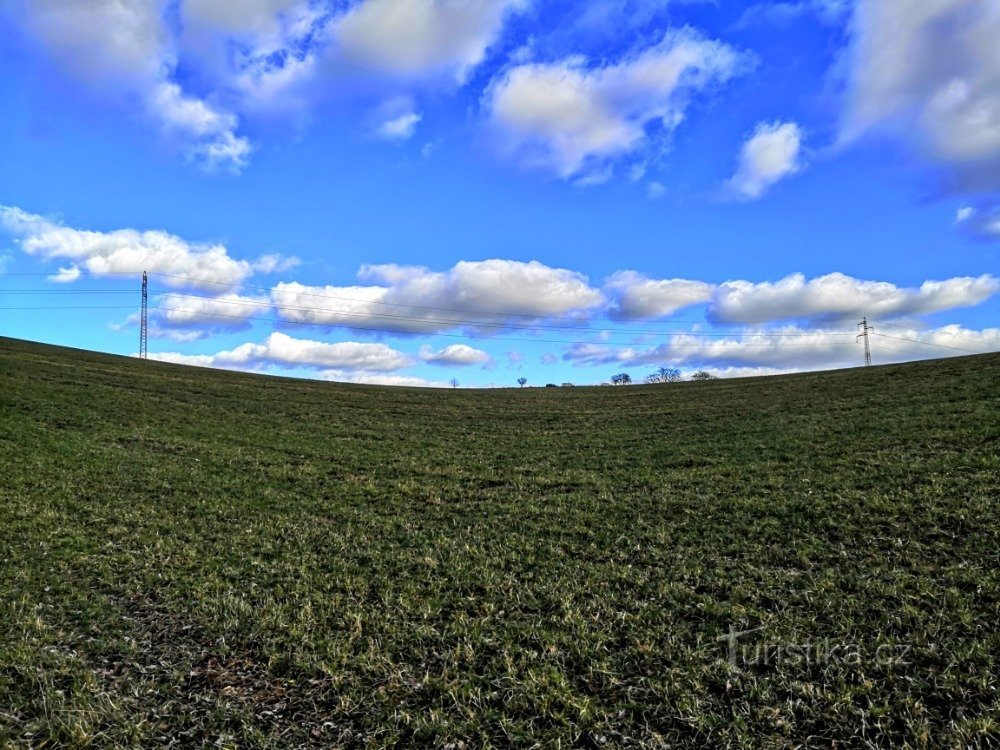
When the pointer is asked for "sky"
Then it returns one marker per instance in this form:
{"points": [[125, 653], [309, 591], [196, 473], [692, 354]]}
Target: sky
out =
{"points": [[422, 192]]}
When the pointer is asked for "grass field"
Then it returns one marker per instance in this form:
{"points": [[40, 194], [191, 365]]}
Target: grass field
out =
{"points": [[211, 557]]}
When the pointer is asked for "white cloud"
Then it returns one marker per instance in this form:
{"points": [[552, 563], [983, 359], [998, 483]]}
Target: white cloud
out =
{"points": [[417, 300], [224, 311], [208, 133], [100, 40], [454, 354], [635, 297], [66, 274], [964, 214], [927, 71], [241, 16], [770, 154], [738, 372], [283, 350], [408, 381], [192, 360], [597, 176], [980, 223], [784, 13], [400, 128], [655, 190], [274, 263], [788, 349], [571, 116], [946, 341], [418, 38], [838, 296], [179, 335], [126, 46], [125, 251], [514, 358]]}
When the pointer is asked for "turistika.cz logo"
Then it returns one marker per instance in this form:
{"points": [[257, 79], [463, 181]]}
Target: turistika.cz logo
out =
{"points": [[744, 651]]}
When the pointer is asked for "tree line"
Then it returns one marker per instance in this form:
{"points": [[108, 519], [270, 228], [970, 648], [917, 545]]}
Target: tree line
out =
{"points": [[662, 375]]}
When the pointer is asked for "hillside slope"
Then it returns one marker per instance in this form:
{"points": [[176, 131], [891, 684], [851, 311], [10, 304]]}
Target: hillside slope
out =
{"points": [[217, 557]]}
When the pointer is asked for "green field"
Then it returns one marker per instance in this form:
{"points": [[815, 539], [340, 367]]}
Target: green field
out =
{"points": [[212, 557]]}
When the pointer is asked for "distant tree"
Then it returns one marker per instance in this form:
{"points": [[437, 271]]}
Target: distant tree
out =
{"points": [[551, 385], [521, 381], [622, 378], [665, 375], [703, 375], [454, 382]]}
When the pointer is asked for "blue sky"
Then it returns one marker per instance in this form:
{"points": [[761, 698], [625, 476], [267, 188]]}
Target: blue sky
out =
{"points": [[410, 191]]}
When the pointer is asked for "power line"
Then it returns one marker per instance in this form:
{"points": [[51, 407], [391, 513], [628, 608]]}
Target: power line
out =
{"points": [[68, 291], [883, 347], [451, 322], [191, 281], [457, 335], [533, 316], [73, 307], [392, 330], [494, 324], [928, 343]]}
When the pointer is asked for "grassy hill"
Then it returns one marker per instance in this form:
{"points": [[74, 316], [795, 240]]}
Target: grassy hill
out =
{"points": [[216, 557]]}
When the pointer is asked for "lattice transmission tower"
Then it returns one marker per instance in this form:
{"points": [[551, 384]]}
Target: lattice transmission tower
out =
{"points": [[865, 328], [143, 322]]}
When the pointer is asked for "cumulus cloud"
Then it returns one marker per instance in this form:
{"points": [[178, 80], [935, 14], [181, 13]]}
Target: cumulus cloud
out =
{"points": [[228, 310], [979, 222], [771, 153], [838, 296], [573, 116], [414, 38], [125, 45], [101, 40], [788, 349], [207, 132], [126, 251], [396, 119], [283, 350], [241, 16], [400, 128], [274, 263], [928, 73], [66, 274], [635, 297], [408, 381], [472, 294], [455, 354]]}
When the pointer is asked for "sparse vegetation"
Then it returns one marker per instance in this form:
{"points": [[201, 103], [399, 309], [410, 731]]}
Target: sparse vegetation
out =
{"points": [[665, 375], [211, 557], [703, 375]]}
